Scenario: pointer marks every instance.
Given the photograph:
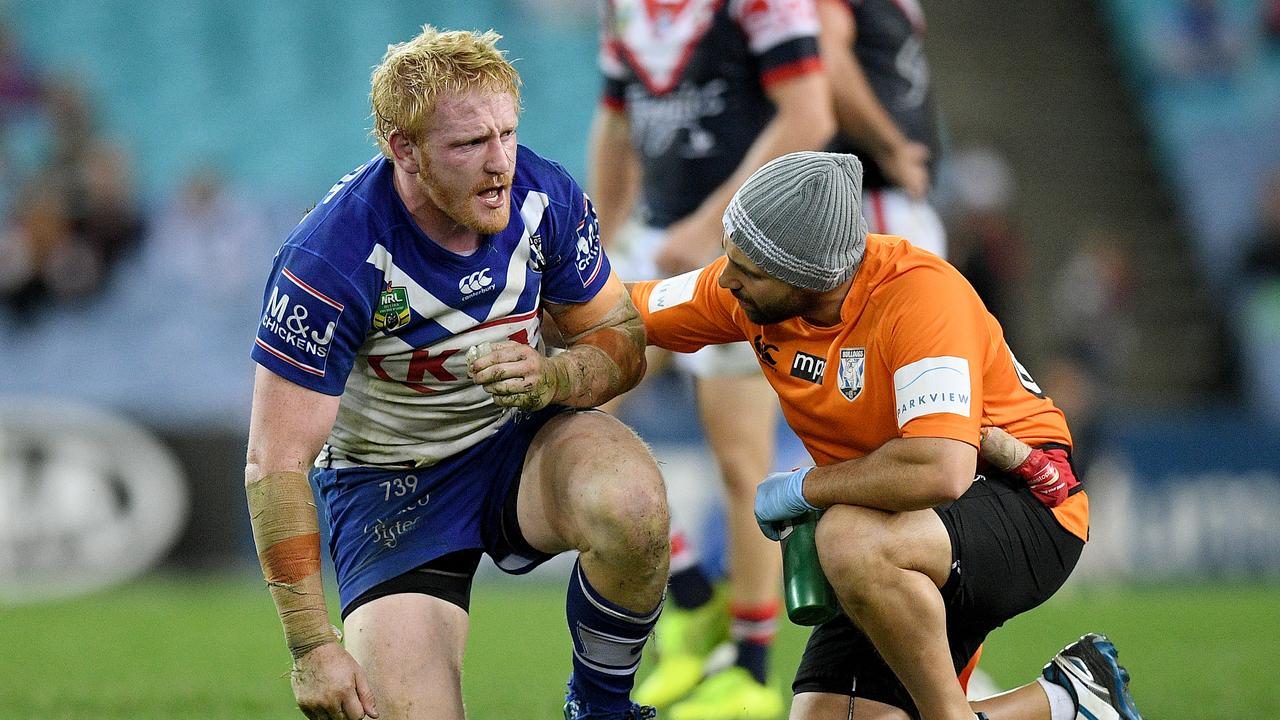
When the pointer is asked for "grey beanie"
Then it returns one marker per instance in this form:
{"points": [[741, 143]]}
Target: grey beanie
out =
{"points": [[799, 217]]}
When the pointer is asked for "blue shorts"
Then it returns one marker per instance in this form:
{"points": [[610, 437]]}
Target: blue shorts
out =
{"points": [[385, 522]]}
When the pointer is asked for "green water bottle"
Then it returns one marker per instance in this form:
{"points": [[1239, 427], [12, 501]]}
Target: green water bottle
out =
{"points": [[809, 597]]}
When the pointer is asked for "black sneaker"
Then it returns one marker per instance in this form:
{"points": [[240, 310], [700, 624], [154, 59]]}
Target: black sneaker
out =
{"points": [[1097, 682], [574, 709]]}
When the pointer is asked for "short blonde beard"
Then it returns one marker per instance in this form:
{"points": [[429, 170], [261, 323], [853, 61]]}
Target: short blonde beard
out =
{"points": [[467, 216]]}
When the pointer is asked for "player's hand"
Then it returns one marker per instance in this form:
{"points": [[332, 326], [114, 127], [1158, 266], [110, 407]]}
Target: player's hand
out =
{"points": [[330, 685], [515, 374], [781, 497], [908, 166], [688, 245]]}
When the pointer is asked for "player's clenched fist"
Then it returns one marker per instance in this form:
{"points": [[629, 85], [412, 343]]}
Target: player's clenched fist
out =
{"points": [[515, 374], [330, 685]]}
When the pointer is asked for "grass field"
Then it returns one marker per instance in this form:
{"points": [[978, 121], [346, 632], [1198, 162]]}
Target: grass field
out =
{"points": [[178, 648]]}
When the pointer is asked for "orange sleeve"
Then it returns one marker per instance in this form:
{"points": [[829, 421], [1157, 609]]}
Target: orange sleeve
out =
{"points": [[688, 312], [933, 338]]}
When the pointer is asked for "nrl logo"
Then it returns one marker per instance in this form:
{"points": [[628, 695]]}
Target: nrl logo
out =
{"points": [[393, 309], [850, 374]]}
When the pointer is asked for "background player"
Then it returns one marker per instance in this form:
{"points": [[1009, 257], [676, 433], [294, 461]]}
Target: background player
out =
{"points": [[874, 54], [886, 366], [402, 323], [698, 95]]}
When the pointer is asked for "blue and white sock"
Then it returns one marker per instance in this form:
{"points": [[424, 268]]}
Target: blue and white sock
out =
{"points": [[607, 640]]}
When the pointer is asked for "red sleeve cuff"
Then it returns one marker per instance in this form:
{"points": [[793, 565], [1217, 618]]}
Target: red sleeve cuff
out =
{"points": [[791, 70]]}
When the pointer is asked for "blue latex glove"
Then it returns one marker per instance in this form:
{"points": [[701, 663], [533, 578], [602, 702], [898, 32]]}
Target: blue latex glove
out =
{"points": [[781, 497]]}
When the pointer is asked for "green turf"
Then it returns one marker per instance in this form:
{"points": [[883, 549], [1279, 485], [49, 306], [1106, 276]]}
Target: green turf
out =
{"points": [[211, 648]]}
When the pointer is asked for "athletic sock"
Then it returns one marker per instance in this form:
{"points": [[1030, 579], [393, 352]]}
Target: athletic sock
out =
{"points": [[1061, 706], [753, 628], [607, 640], [689, 585]]}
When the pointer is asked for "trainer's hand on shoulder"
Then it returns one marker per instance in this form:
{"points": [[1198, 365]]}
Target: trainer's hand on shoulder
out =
{"points": [[515, 374], [781, 497], [330, 685]]}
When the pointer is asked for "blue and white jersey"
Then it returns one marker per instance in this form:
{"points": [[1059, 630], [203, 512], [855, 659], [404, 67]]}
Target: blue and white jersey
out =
{"points": [[362, 304]]}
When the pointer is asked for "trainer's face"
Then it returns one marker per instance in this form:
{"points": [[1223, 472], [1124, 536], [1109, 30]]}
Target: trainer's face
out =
{"points": [[764, 299], [469, 158]]}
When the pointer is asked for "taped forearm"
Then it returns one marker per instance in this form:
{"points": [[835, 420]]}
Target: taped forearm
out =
{"points": [[1002, 449], [286, 533], [602, 362]]}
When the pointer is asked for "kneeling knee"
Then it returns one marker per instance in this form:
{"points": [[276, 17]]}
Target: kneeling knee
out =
{"points": [[850, 545]]}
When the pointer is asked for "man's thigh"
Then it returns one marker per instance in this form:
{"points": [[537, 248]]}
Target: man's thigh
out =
{"points": [[829, 706], [411, 646], [1009, 555], [578, 463]]}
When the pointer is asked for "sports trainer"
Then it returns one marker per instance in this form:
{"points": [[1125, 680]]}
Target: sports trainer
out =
{"points": [[887, 366], [400, 352]]}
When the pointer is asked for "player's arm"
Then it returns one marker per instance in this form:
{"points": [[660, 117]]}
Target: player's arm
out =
{"points": [[604, 358], [920, 472], [803, 121], [613, 170], [858, 111], [287, 427], [911, 473], [687, 312], [904, 474]]}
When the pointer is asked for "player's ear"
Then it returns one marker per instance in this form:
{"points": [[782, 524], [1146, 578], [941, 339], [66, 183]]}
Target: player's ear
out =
{"points": [[402, 151]]}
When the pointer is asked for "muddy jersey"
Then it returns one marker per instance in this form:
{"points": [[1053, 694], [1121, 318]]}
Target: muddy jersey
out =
{"points": [[889, 46], [691, 76], [362, 304], [915, 355]]}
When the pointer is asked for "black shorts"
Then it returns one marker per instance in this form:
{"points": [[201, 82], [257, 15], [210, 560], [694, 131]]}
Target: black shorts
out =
{"points": [[1009, 554]]}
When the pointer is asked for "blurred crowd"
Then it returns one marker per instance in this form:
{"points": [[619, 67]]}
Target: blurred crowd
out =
{"points": [[1206, 73], [70, 212], [105, 294], [71, 216], [1212, 40], [1092, 297], [78, 240], [1258, 313]]}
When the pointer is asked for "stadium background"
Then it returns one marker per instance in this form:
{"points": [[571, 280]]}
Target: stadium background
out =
{"points": [[1113, 177]]}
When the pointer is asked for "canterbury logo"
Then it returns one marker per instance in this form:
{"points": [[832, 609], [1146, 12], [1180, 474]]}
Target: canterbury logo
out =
{"points": [[475, 282]]}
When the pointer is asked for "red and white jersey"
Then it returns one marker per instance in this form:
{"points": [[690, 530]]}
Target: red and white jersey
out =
{"points": [[691, 76]]}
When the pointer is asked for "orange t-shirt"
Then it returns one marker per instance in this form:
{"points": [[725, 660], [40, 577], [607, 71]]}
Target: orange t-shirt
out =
{"points": [[916, 354]]}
